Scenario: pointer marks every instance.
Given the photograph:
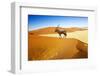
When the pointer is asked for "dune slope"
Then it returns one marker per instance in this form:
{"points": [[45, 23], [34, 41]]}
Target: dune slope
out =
{"points": [[46, 48]]}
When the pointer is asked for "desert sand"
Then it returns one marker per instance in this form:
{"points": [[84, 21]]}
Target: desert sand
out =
{"points": [[48, 46]]}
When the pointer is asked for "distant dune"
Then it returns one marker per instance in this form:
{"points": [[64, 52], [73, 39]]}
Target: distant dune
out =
{"points": [[51, 30], [44, 44]]}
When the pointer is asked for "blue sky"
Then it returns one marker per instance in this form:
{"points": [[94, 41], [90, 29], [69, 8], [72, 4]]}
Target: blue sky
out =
{"points": [[40, 21]]}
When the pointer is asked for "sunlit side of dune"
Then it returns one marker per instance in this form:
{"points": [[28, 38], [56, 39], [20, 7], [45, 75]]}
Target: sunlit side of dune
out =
{"points": [[80, 35]]}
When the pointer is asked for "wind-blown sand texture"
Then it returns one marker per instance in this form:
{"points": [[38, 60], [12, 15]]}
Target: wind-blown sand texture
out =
{"points": [[44, 45]]}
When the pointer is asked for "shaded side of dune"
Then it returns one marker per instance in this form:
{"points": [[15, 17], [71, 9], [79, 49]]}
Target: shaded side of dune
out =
{"points": [[83, 50], [46, 48]]}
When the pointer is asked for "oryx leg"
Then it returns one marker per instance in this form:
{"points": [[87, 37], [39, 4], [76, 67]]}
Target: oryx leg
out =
{"points": [[65, 35], [59, 35]]}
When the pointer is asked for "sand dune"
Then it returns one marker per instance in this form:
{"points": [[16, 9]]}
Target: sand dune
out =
{"points": [[46, 48], [45, 44], [80, 35]]}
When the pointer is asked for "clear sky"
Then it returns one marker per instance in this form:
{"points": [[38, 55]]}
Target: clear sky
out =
{"points": [[40, 21]]}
